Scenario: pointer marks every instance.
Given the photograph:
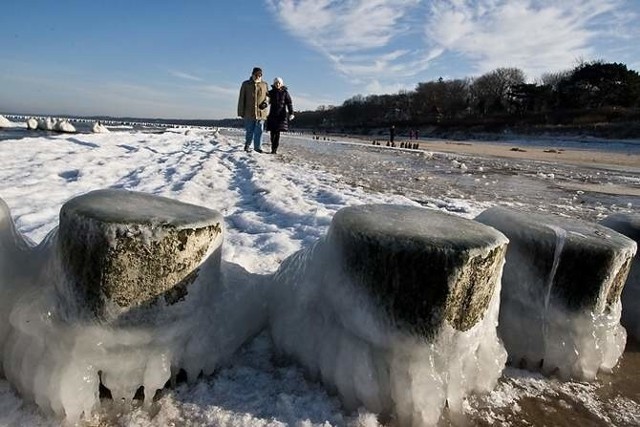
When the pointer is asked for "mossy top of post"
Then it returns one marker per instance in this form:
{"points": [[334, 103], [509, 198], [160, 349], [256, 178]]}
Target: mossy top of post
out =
{"points": [[130, 207]]}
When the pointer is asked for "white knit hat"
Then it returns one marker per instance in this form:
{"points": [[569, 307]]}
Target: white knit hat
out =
{"points": [[278, 80]]}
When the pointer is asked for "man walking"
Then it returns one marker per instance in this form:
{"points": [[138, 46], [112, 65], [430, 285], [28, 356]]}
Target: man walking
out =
{"points": [[252, 107]]}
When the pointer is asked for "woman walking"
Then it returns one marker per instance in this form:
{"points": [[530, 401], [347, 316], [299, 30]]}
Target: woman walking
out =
{"points": [[280, 114]]}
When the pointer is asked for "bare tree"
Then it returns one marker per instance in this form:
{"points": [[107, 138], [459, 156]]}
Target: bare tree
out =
{"points": [[491, 92], [553, 79], [456, 98], [428, 100]]}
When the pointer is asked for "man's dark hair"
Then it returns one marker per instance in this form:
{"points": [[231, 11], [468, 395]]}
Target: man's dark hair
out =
{"points": [[256, 70]]}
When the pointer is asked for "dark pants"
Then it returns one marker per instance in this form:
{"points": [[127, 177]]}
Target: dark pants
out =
{"points": [[275, 140]]}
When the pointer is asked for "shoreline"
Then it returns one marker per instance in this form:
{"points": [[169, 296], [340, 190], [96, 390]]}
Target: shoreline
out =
{"points": [[546, 165], [548, 153], [552, 150]]}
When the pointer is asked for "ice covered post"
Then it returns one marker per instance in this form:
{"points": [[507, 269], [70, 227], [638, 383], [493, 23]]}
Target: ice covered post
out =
{"points": [[629, 225], [123, 249], [560, 304], [396, 308], [127, 291]]}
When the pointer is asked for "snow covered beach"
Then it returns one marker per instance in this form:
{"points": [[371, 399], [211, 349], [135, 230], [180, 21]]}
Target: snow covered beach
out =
{"points": [[276, 205]]}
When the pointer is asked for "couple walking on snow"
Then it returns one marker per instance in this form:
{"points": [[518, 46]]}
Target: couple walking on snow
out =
{"points": [[253, 101]]}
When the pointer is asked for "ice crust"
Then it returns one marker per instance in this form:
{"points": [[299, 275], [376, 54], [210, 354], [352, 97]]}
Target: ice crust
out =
{"points": [[19, 261], [98, 127], [539, 325], [336, 329], [5, 123], [32, 123], [64, 126], [139, 208], [56, 354], [629, 225], [45, 124]]}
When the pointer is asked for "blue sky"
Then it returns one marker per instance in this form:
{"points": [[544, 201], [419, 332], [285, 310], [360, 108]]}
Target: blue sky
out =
{"points": [[186, 59]]}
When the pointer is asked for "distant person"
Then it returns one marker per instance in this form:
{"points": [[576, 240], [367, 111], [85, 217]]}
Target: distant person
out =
{"points": [[252, 107], [392, 133], [280, 113]]}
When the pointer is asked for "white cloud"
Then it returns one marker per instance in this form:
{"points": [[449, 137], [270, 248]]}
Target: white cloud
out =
{"points": [[344, 26], [535, 35], [185, 76], [357, 36], [221, 90], [387, 43], [394, 65], [376, 87], [306, 102]]}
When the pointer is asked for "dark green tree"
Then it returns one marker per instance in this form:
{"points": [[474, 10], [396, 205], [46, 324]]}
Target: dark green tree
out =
{"points": [[599, 84]]}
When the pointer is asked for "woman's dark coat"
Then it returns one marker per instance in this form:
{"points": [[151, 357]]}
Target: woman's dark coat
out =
{"points": [[281, 108]]}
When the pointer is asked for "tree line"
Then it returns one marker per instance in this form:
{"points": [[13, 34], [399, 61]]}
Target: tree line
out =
{"points": [[591, 93]]}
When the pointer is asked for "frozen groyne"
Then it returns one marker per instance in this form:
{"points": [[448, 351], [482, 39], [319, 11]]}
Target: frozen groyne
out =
{"points": [[32, 123], [45, 124], [98, 127], [63, 125], [395, 309], [560, 303], [49, 124], [5, 123], [128, 291], [629, 225]]}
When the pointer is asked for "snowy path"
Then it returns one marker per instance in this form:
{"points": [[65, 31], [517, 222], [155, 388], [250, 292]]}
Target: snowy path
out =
{"points": [[270, 208]]}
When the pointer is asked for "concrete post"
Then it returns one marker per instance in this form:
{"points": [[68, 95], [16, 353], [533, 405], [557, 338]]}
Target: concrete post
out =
{"points": [[124, 249], [560, 302]]}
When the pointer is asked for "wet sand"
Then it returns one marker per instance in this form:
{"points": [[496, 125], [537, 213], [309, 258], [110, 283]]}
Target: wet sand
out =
{"points": [[541, 153], [612, 400]]}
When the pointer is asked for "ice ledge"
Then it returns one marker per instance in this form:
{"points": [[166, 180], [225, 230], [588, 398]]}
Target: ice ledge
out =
{"points": [[629, 225]]}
